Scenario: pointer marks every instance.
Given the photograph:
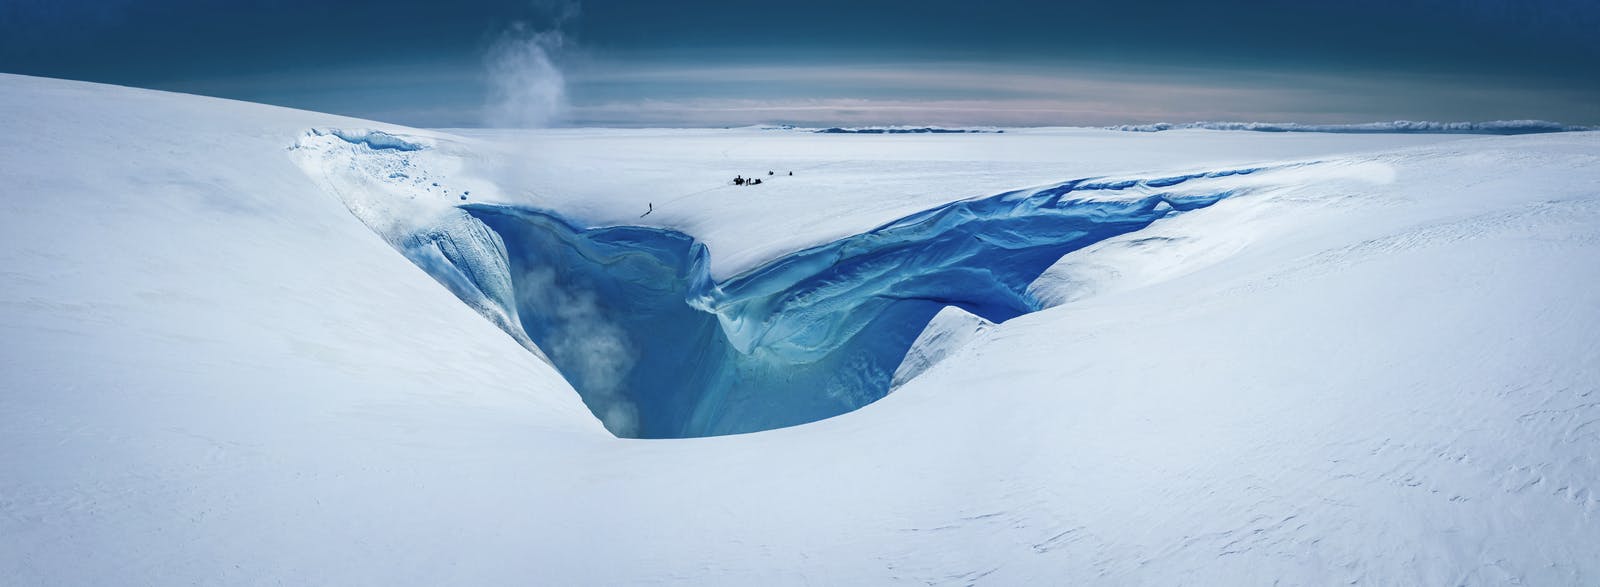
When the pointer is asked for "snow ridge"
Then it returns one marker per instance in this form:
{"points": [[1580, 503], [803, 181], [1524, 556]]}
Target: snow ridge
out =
{"points": [[1494, 127], [887, 130], [897, 130]]}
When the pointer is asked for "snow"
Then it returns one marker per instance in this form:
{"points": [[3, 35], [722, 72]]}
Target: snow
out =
{"points": [[901, 130], [604, 177], [1376, 364], [948, 331]]}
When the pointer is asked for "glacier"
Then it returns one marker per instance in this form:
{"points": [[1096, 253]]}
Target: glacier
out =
{"points": [[1373, 362]]}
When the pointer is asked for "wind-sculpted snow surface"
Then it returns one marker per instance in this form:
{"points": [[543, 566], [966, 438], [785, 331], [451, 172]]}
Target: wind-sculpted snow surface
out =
{"points": [[659, 349]]}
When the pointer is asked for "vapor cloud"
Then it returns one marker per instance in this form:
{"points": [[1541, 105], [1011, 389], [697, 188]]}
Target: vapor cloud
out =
{"points": [[527, 88], [590, 350]]}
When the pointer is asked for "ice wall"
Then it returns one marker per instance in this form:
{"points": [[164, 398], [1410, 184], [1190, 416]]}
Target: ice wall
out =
{"points": [[632, 318]]}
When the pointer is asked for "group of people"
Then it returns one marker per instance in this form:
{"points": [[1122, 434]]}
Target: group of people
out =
{"points": [[737, 180], [742, 180]]}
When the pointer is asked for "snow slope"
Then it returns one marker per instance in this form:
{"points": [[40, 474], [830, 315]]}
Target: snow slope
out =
{"points": [[1379, 368]]}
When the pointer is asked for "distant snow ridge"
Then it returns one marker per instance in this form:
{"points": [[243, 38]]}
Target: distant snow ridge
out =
{"points": [[1493, 127], [888, 130], [899, 130]]}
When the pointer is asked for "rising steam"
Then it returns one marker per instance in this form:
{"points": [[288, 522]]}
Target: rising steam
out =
{"points": [[526, 86], [594, 352]]}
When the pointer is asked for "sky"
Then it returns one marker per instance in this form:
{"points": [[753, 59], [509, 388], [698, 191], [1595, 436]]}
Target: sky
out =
{"points": [[835, 62]]}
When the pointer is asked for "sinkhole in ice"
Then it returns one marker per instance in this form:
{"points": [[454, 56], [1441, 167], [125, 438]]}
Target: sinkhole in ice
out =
{"points": [[658, 349]]}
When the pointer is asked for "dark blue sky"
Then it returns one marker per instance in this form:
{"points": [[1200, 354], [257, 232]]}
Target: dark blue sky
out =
{"points": [[718, 62]]}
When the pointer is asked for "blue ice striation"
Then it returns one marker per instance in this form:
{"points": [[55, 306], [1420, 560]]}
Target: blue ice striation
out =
{"points": [[657, 348]]}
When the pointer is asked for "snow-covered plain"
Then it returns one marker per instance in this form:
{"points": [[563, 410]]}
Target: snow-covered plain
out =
{"points": [[1374, 362]]}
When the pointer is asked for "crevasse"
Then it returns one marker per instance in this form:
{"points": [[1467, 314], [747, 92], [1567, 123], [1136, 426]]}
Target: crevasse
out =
{"points": [[658, 349]]}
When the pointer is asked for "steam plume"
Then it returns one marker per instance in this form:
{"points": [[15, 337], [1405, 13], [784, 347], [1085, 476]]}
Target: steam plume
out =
{"points": [[526, 86]]}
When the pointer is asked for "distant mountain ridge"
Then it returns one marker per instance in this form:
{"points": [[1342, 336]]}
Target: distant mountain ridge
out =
{"points": [[1493, 127]]}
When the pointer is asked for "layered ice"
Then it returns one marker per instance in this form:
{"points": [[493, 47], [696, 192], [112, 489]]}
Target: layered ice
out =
{"points": [[658, 349], [372, 139]]}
